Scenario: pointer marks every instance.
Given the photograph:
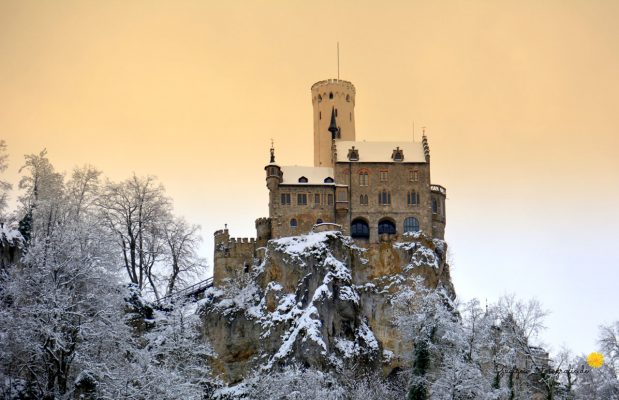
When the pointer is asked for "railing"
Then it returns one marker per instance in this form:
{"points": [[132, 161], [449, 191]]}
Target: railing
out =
{"points": [[438, 188], [189, 291]]}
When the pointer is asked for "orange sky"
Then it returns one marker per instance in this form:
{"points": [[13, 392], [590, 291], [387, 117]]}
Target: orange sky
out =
{"points": [[520, 100]]}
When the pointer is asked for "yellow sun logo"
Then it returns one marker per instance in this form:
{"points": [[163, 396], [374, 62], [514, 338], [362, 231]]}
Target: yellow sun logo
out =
{"points": [[595, 360]]}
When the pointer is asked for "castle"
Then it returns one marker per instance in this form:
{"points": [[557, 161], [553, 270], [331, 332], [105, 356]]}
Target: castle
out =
{"points": [[372, 191]]}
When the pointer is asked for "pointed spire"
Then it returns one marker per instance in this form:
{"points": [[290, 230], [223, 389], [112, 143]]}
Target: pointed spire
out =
{"points": [[333, 125], [272, 152]]}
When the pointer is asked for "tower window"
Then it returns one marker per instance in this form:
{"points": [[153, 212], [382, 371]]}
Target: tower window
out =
{"points": [[293, 223], [412, 198], [384, 198], [302, 199], [435, 207], [319, 98], [336, 112], [330, 95], [363, 179], [411, 224], [348, 98], [285, 199], [319, 114]]}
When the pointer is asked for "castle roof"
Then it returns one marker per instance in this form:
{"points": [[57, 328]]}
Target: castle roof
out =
{"points": [[380, 151], [314, 175]]}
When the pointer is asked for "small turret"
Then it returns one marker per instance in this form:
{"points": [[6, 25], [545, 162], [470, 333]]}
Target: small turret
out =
{"points": [[274, 172], [426, 146]]}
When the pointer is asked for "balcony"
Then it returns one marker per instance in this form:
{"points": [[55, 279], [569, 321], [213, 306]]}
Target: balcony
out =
{"points": [[438, 189]]}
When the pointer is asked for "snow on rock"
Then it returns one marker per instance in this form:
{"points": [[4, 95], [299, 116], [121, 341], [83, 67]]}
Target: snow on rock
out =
{"points": [[316, 299]]}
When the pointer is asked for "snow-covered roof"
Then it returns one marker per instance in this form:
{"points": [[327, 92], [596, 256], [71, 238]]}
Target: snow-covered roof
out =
{"points": [[314, 175], [380, 151]]}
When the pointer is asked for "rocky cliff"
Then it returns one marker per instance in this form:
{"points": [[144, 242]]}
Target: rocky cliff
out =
{"points": [[320, 300]]}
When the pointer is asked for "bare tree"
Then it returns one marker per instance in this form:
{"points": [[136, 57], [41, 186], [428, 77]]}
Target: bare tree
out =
{"points": [[182, 242], [136, 211]]}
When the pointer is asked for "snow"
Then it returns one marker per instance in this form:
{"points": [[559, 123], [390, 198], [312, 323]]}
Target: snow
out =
{"points": [[380, 151], [314, 175], [10, 235]]}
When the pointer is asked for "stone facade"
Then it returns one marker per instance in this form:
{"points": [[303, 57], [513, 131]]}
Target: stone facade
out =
{"points": [[375, 191]]}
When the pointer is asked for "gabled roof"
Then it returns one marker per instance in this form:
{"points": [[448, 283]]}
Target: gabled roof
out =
{"points": [[314, 175], [380, 151]]}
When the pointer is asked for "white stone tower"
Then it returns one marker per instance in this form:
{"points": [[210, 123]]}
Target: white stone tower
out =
{"points": [[333, 101]]}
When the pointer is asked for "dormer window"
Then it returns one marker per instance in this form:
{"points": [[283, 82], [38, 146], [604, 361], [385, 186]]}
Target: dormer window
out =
{"points": [[302, 179], [353, 154], [328, 180], [397, 155]]}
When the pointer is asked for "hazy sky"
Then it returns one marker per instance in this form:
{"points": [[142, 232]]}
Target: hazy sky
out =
{"points": [[520, 100]]}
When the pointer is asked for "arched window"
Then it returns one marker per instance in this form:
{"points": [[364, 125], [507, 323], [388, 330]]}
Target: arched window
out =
{"points": [[302, 179], [386, 226], [348, 98], [412, 198], [293, 223], [328, 180], [434, 206], [319, 221], [319, 98], [331, 95], [359, 229], [384, 197], [363, 199], [411, 224]]}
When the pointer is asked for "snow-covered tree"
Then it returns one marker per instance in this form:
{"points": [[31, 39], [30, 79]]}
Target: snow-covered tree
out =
{"points": [[61, 311], [5, 187], [42, 198], [292, 383]]}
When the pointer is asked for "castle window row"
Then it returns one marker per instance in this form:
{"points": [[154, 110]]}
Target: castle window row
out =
{"points": [[384, 198], [302, 199], [364, 177]]}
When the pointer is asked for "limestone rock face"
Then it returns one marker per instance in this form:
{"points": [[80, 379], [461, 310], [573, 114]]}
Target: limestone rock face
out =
{"points": [[318, 300]]}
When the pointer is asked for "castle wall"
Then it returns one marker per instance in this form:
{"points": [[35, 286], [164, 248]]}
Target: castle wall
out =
{"points": [[438, 211], [232, 256], [398, 184], [305, 215]]}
